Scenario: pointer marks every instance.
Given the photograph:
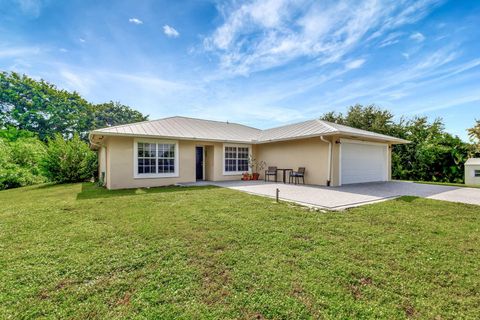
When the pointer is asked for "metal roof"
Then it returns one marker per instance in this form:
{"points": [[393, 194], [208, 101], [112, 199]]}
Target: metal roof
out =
{"points": [[199, 129], [184, 128], [473, 161]]}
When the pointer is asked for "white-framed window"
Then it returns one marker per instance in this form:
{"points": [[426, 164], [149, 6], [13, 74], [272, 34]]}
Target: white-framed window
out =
{"points": [[155, 158], [476, 173], [235, 159]]}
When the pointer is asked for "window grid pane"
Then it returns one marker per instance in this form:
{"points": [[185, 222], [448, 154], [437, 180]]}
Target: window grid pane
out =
{"points": [[166, 158], [146, 158], [155, 158], [236, 159]]}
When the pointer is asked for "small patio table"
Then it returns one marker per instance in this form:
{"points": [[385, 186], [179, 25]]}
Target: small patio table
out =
{"points": [[284, 173]]}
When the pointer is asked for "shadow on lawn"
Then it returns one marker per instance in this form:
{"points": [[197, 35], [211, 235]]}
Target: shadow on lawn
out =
{"points": [[407, 198], [92, 191]]}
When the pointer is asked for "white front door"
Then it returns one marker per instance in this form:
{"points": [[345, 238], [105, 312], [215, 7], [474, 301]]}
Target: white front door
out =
{"points": [[363, 162]]}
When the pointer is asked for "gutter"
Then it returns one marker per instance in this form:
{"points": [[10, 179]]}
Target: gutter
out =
{"points": [[329, 160], [94, 145]]}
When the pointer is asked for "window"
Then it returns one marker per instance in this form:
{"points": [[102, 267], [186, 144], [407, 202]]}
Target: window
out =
{"points": [[236, 159], [147, 158], [155, 159], [166, 158], [476, 173], [242, 159]]}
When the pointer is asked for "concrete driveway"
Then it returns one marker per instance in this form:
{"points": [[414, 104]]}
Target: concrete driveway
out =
{"points": [[338, 198]]}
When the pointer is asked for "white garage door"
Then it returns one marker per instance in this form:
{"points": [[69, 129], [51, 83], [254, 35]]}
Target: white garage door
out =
{"points": [[363, 162]]}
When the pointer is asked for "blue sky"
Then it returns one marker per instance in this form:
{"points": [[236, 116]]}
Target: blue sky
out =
{"points": [[261, 63]]}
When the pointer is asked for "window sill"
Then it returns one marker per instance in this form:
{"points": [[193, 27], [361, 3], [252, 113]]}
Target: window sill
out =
{"points": [[231, 173], [155, 176]]}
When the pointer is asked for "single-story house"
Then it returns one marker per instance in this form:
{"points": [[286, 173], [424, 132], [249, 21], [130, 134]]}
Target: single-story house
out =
{"points": [[472, 171], [181, 150]]}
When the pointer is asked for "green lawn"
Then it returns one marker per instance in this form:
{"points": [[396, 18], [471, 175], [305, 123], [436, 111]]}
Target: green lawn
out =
{"points": [[448, 184], [77, 251]]}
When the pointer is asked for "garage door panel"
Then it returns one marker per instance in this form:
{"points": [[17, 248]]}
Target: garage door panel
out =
{"points": [[362, 162]]}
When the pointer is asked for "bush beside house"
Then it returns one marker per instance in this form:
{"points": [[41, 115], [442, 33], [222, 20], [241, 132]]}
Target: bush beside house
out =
{"points": [[27, 160], [68, 160]]}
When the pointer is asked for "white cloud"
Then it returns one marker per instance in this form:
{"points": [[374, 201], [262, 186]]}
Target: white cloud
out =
{"points": [[398, 82], [417, 36], [391, 39], [63, 50], [450, 102], [17, 52], [81, 40], [437, 59], [354, 64], [406, 55], [30, 7], [262, 34], [170, 31], [135, 21], [76, 82]]}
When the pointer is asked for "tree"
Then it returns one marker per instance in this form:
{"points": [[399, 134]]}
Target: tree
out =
{"points": [[474, 134], [112, 114], [370, 118], [431, 155], [68, 160], [40, 107]]}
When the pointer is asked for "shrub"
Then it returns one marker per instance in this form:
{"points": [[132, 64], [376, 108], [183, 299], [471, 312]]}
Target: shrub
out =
{"points": [[28, 153], [68, 160], [19, 162]]}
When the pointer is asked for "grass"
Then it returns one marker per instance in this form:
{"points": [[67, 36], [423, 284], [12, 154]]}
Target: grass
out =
{"points": [[77, 251], [449, 184]]}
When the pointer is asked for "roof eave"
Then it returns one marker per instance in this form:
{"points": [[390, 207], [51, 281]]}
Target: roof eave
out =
{"points": [[388, 139], [294, 138], [147, 136]]}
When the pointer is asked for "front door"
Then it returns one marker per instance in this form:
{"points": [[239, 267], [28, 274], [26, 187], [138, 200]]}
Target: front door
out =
{"points": [[199, 163]]}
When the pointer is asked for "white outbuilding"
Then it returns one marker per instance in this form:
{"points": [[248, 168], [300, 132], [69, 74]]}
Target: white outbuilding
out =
{"points": [[472, 171]]}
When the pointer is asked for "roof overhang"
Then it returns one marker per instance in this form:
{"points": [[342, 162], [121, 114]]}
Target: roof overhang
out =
{"points": [[146, 136], [102, 135], [386, 139]]}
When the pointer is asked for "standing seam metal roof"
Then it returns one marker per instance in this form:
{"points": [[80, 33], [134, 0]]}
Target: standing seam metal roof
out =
{"points": [[199, 129]]}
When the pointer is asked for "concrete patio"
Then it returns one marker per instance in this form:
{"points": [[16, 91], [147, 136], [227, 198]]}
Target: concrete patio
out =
{"points": [[338, 198]]}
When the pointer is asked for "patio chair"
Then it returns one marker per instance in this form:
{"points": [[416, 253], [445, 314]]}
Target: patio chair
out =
{"points": [[295, 176], [271, 171]]}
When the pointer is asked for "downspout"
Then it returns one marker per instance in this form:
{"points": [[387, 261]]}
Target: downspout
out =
{"points": [[329, 160]]}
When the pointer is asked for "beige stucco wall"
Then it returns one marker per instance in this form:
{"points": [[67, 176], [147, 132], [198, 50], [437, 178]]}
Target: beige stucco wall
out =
{"points": [[120, 164], [310, 153], [335, 161], [102, 162], [209, 164], [470, 178], [389, 158]]}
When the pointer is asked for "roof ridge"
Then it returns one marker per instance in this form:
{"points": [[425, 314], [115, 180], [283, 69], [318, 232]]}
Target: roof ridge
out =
{"points": [[327, 123], [208, 120], [124, 125], [172, 117], [286, 125]]}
